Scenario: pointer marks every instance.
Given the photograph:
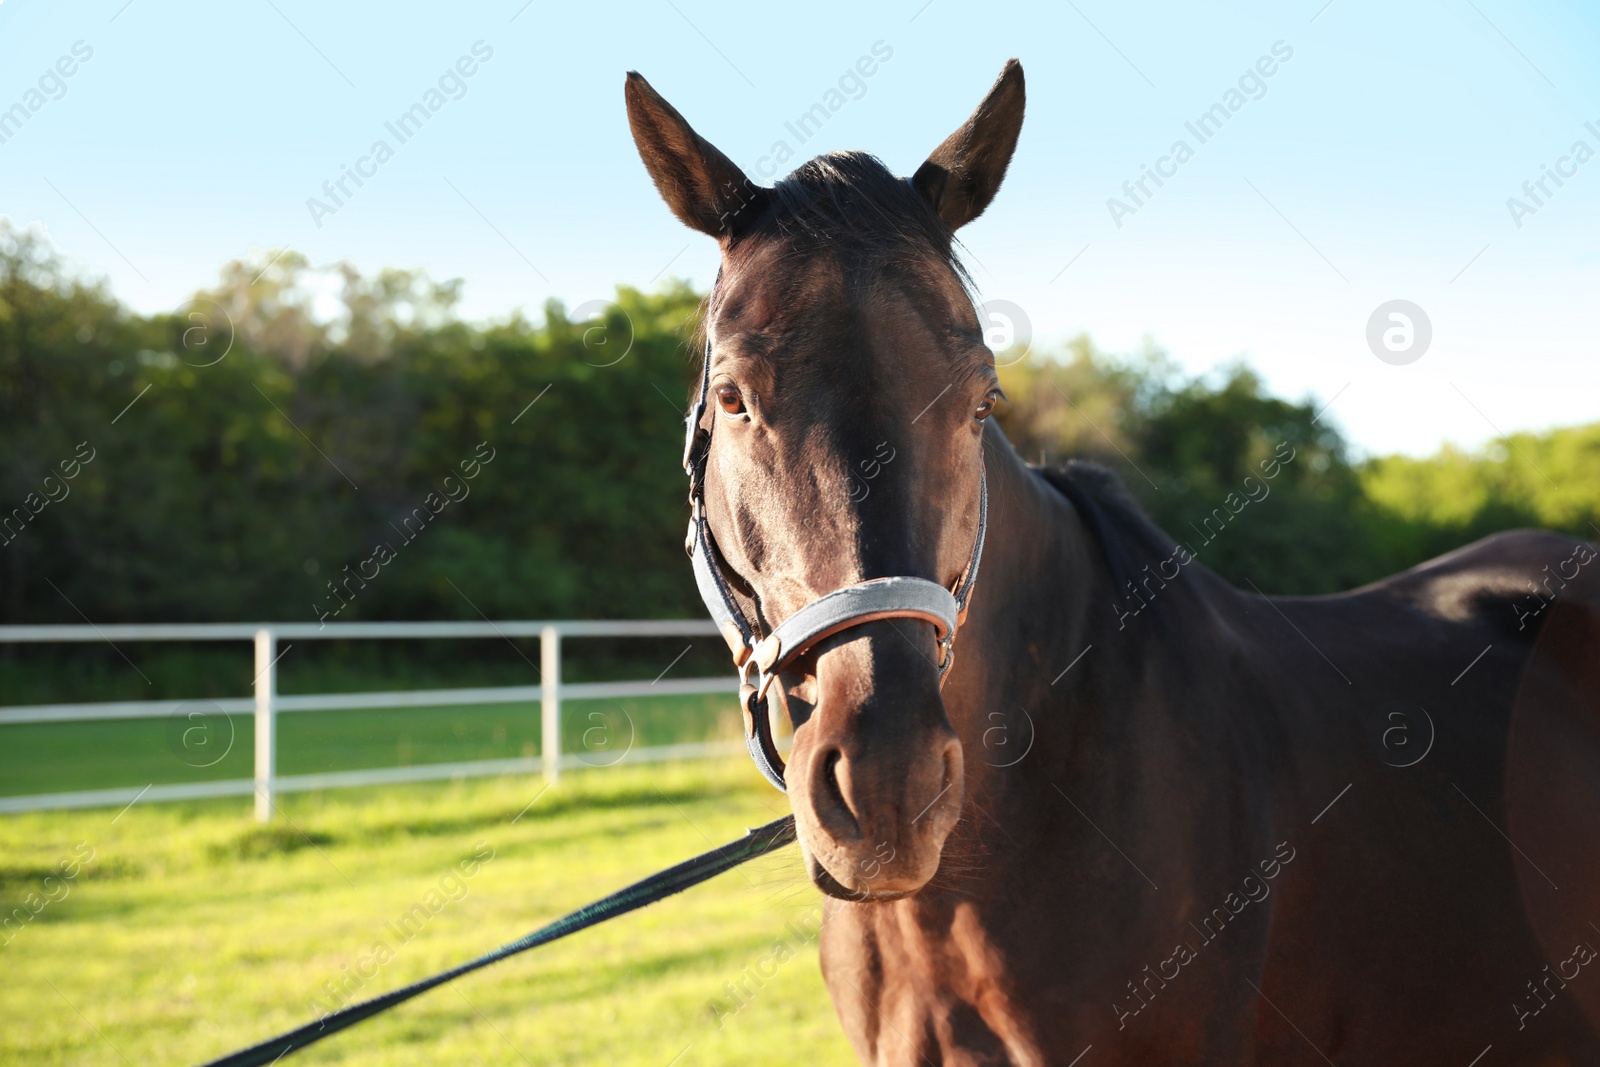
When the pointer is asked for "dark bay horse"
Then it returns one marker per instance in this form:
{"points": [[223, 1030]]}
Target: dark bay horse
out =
{"points": [[1147, 817]]}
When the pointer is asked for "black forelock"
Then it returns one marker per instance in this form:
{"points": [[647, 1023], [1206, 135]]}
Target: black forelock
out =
{"points": [[851, 203]]}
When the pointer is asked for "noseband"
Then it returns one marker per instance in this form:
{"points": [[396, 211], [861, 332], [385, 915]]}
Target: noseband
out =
{"points": [[763, 657]]}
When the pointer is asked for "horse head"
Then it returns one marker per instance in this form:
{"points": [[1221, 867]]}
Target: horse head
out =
{"points": [[840, 439]]}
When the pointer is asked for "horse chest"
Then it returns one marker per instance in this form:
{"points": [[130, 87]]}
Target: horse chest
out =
{"points": [[914, 985]]}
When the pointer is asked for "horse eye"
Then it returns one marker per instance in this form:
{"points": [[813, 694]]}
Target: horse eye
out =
{"points": [[986, 408], [729, 400]]}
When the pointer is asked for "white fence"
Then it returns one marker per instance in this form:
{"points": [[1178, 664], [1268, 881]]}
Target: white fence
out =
{"points": [[267, 703]]}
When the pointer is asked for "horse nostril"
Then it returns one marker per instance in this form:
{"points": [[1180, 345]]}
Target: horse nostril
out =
{"points": [[830, 778], [833, 808]]}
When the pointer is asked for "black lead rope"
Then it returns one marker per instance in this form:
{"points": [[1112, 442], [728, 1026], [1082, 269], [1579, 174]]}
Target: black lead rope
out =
{"points": [[756, 842]]}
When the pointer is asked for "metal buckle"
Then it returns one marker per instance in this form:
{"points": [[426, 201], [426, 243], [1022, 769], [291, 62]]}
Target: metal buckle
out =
{"points": [[748, 694], [947, 652]]}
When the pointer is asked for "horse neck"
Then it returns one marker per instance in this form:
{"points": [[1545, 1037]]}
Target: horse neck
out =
{"points": [[1058, 672], [1033, 616]]}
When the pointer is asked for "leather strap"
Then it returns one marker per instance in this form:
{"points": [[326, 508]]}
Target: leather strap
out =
{"points": [[881, 598], [756, 842], [714, 589]]}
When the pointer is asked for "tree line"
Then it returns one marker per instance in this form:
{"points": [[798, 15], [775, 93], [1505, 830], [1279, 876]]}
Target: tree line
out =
{"points": [[301, 443]]}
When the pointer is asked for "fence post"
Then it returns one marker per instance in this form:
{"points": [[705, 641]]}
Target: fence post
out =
{"points": [[550, 691], [266, 687]]}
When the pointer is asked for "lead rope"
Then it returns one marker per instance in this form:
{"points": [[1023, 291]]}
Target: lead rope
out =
{"points": [[707, 865]]}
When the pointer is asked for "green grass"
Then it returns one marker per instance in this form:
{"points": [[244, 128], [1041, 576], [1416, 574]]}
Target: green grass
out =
{"points": [[193, 930], [101, 754]]}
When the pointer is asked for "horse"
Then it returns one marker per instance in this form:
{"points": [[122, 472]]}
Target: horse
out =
{"points": [[1080, 831]]}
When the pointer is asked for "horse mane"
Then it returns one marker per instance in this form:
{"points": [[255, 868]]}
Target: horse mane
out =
{"points": [[851, 203], [1126, 537]]}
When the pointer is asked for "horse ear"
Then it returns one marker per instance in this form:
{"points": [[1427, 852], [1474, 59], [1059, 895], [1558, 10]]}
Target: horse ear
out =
{"points": [[702, 186], [965, 172]]}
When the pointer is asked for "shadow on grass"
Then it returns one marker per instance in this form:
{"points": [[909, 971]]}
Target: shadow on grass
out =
{"points": [[555, 804], [265, 842], [22, 878]]}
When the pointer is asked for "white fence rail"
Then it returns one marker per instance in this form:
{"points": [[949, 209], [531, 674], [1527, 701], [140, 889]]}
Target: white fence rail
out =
{"points": [[265, 704]]}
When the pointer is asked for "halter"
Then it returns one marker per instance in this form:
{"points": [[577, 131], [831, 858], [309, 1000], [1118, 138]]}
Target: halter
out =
{"points": [[763, 657]]}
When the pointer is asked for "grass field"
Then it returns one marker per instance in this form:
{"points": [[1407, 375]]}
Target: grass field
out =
{"points": [[192, 930], [57, 757]]}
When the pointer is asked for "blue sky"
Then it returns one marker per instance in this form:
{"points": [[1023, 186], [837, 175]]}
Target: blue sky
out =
{"points": [[1375, 163]]}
